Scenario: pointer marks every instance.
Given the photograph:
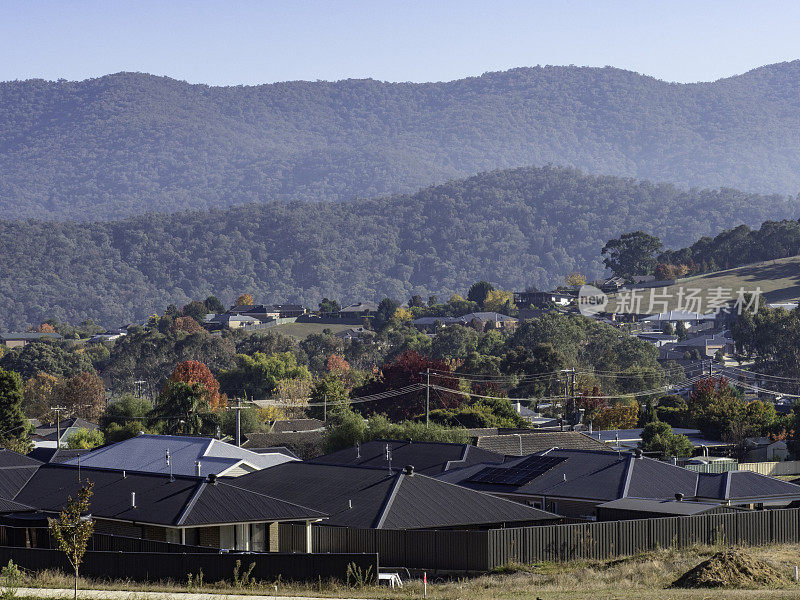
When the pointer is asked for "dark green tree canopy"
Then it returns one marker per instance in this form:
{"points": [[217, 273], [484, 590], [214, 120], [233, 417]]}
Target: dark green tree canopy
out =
{"points": [[632, 254]]}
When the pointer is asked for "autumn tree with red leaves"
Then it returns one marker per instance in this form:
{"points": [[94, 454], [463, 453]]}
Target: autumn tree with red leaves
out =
{"points": [[404, 370], [194, 371]]}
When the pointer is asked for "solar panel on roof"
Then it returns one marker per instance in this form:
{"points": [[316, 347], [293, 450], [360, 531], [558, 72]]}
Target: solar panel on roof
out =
{"points": [[520, 474]]}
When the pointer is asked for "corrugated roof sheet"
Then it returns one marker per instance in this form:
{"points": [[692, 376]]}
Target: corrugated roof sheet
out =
{"points": [[148, 454], [159, 500], [372, 498], [538, 441], [430, 458]]}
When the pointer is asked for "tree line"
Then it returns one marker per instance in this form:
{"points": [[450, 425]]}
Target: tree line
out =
{"points": [[516, 228]]}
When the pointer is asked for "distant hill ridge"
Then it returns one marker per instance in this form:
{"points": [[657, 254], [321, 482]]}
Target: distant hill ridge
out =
{"points": [[515, 228], [131, 143]]}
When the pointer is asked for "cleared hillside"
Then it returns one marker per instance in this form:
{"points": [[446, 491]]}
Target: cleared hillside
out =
{"points": [[130, 143], [778, 280]]}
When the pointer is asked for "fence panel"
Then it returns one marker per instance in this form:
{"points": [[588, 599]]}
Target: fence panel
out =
{"points": [[149, 566], [784, 526], [787, 467]]}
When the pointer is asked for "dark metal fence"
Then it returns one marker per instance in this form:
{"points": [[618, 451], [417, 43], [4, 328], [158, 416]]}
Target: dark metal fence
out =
{"points": [[39, 537], [483, 550], [152, 566]]}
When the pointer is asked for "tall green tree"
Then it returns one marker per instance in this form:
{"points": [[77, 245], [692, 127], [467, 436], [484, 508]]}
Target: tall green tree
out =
{"points": [[13, 424], [632, 254], [184, 410], [478, 292]]}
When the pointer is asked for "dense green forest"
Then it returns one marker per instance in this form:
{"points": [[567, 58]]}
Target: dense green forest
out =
{"points": [[733, 248], [514, 228], [130, 143]]}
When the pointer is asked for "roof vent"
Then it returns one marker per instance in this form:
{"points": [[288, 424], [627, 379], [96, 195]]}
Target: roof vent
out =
{"points": [[349, 504], [124, 474], [197, 468], [212, 479], [133, 499], [409, 470], [565, 476], [679, 497]]}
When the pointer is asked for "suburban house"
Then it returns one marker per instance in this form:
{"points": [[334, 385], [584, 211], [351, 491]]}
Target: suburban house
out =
{"points": [[476, 319], [46, 434], [199, 511], [295, 425], [267, 312], [628, 439], [706, 344], [178, 455], [354, 333], [428, 458], [574, 482], [539, 299], [372, 498], [228, 321], [358, 310], [19, 339], [657, 338], [673, 317]]}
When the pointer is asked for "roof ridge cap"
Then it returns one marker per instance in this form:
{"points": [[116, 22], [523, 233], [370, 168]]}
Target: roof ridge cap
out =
{"points": [[389, 501], [190, 504]]}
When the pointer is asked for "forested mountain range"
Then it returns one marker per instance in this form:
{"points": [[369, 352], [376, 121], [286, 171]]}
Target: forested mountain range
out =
{"points": [[131, 143], [514, 228]]}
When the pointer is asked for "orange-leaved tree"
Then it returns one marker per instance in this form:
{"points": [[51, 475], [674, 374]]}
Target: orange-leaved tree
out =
{"points": [[194, 371], [244, 300]]}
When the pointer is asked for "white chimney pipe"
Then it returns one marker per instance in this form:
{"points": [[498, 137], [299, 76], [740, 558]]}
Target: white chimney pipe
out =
{"points": [[133, 499], [197, 468]]}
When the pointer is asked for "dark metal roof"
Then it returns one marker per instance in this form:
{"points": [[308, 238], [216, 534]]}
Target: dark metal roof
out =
{"points": [[740, 485], [181, 501], [430, 458], [15, 470], [9, 458], [594, 475], [376, 498], [538, 441], [663, 507], [9, 506]]}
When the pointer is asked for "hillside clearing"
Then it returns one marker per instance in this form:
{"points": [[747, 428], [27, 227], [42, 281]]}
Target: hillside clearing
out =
{"points": [[301, 331], [779, 281]]}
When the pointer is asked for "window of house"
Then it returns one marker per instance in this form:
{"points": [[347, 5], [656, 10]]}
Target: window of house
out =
{"points": [[227, 538], [243, 537], [258, 537], [174, 536], [192, 536]]}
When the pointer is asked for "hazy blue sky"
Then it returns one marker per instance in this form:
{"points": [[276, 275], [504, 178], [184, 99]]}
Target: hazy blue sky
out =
{"points": [[257, 42]]}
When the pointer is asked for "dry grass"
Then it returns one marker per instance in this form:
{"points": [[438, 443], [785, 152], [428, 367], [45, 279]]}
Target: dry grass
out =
{"points": [[779, 281], [641, 577], [301, 331]]}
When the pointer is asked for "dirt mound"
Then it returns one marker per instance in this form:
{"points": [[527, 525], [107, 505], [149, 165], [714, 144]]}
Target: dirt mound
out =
{"points": [[731, 568]]}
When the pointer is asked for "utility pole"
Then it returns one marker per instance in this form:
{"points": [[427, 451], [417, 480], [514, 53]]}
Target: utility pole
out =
{"points": [[58, 410], [427, 397], [238, 408], [324, 408]]}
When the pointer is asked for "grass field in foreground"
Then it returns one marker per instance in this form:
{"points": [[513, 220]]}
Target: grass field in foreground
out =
{"points": [[301, 331], [779, 281], [642, 577]]}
